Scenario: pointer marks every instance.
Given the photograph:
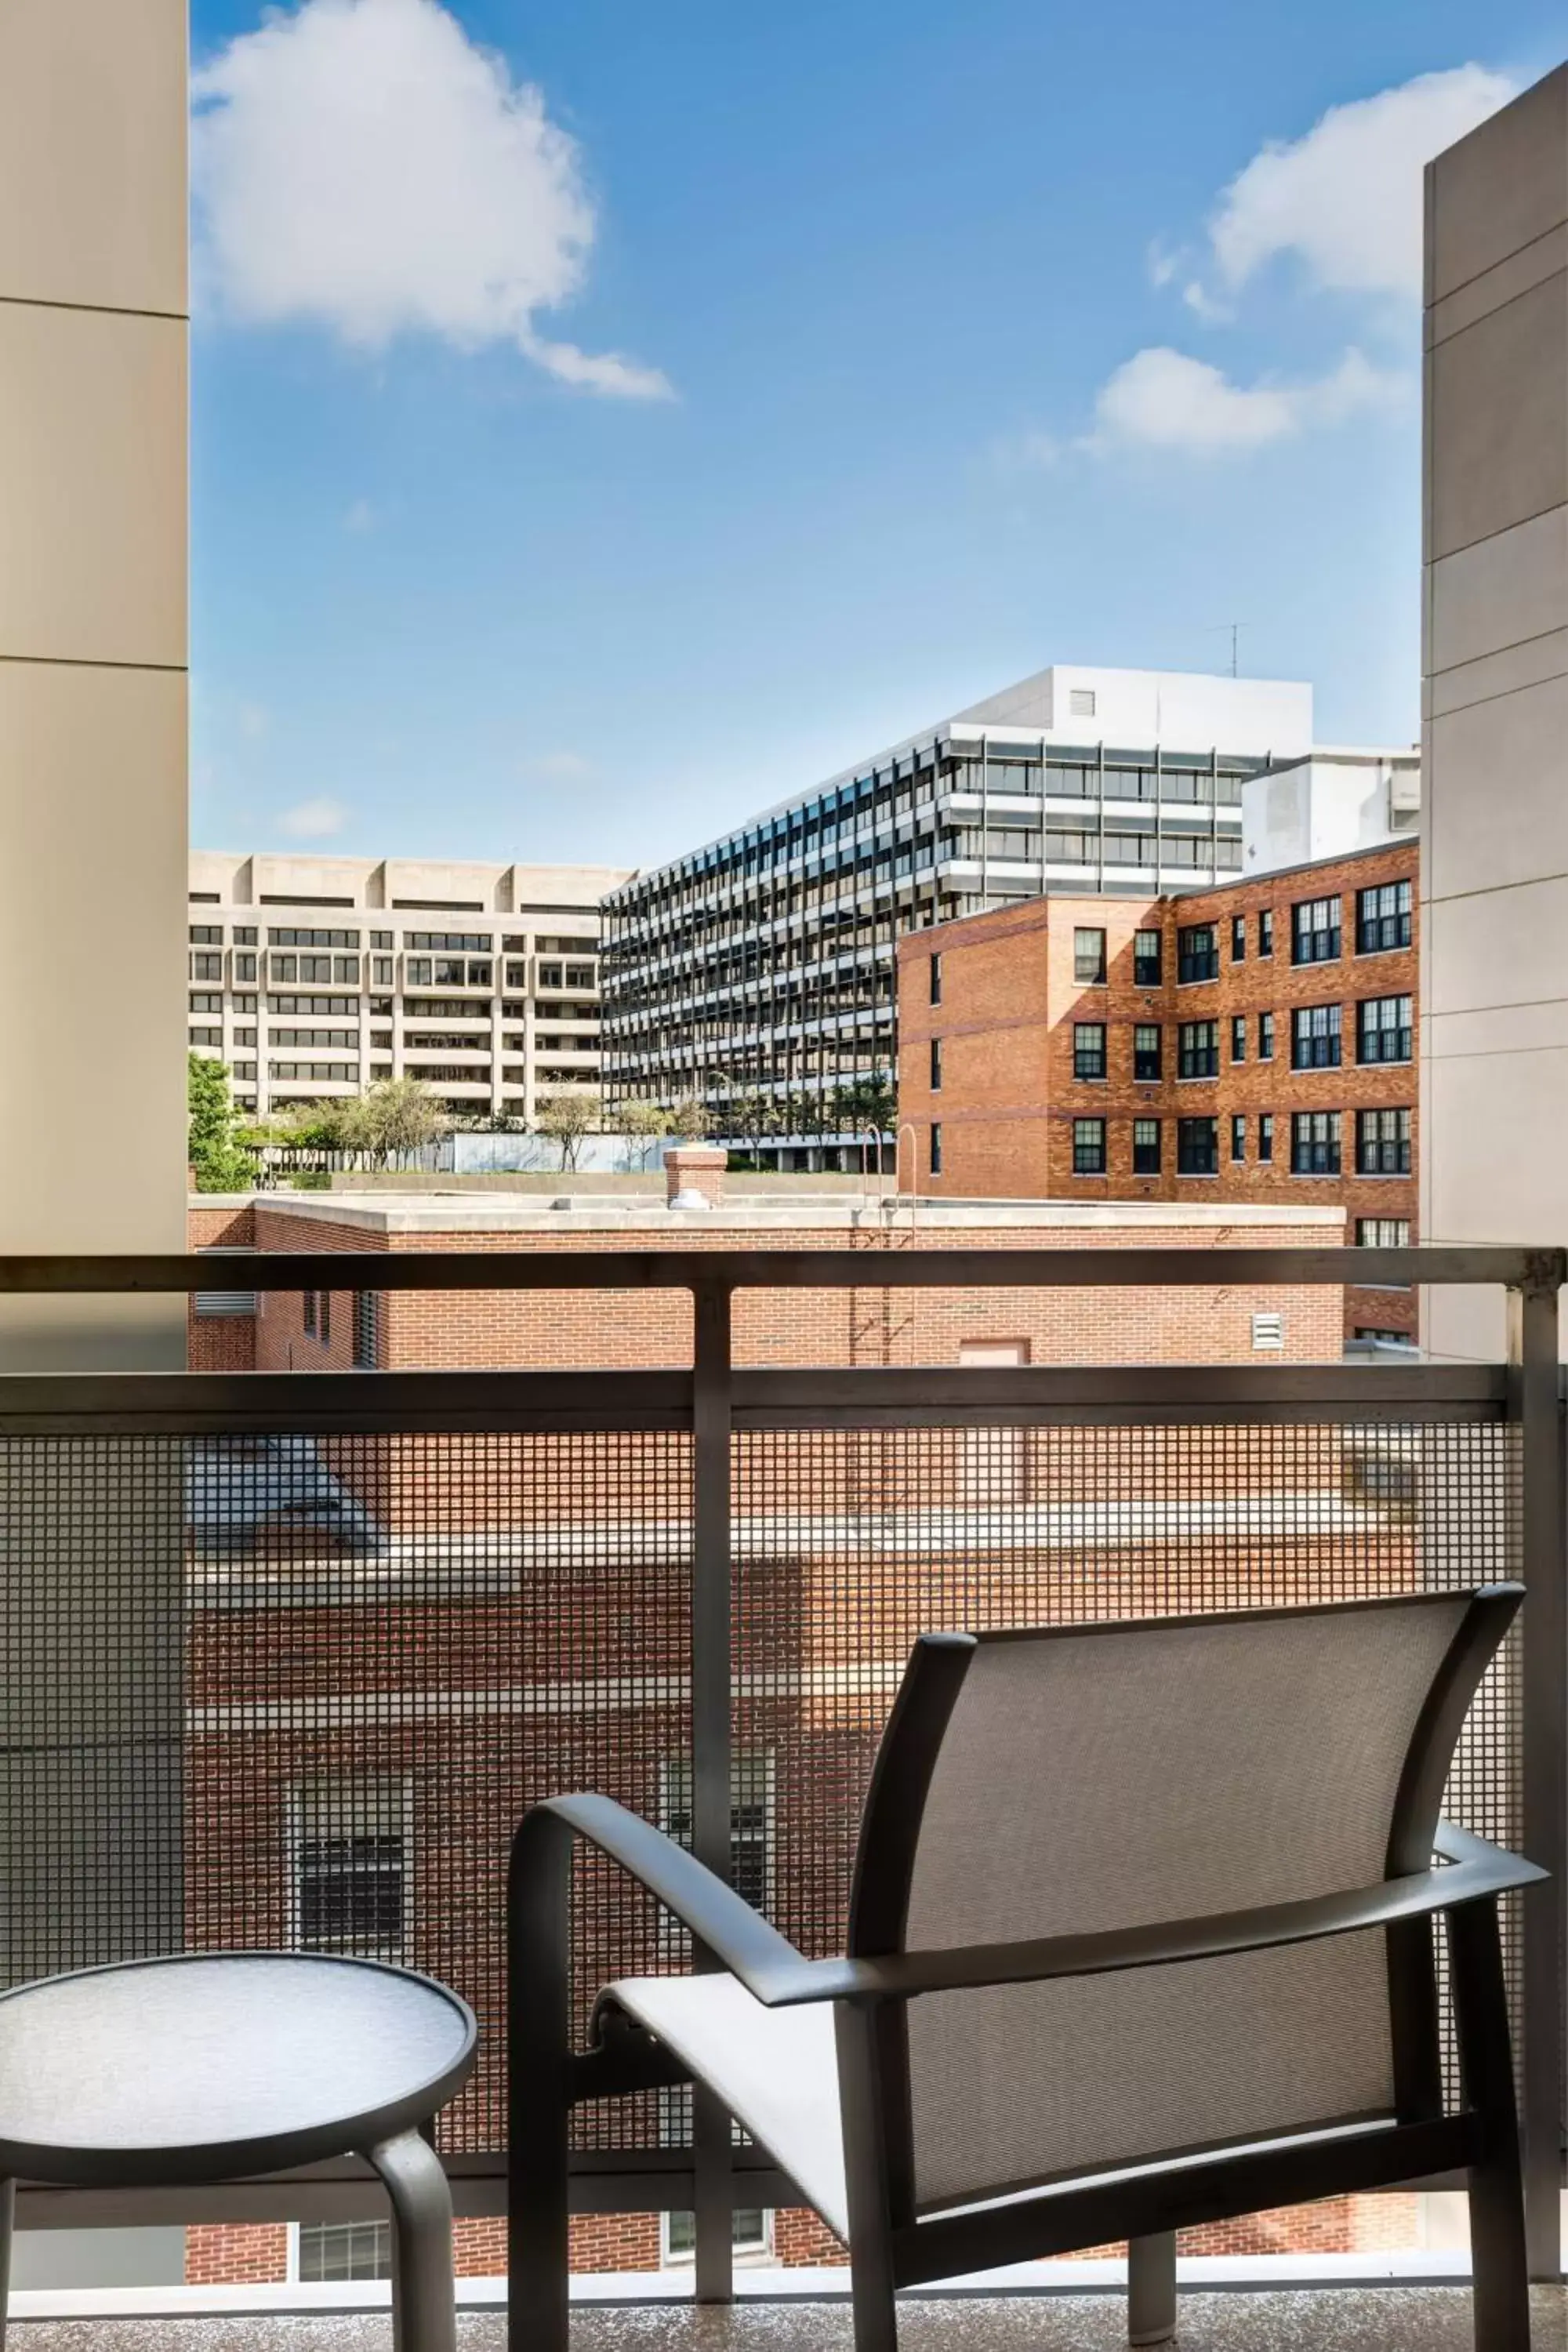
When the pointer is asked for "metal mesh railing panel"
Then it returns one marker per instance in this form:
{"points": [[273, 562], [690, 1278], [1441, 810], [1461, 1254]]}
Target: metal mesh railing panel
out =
{"points": [[851, 1542], [287, 1691], [297, 1690]]}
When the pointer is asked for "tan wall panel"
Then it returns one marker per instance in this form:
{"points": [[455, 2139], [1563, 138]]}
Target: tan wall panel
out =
{"points": [[1498, 401], [93, 153], [92, 487], [92, 1065]]}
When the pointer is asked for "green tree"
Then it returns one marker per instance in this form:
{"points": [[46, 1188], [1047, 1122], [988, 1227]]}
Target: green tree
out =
{"points": [[691, 1122], [641, 1123], [566, 1117], [867, 1102], [218, 1161], [395, 1115]]}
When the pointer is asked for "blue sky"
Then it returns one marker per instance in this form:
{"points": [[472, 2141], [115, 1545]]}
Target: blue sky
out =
{"points": [[608, 418]]}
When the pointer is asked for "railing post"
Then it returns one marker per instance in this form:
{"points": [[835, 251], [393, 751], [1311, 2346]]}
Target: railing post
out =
{"points": [[713, 1774], [1533, 1347]]}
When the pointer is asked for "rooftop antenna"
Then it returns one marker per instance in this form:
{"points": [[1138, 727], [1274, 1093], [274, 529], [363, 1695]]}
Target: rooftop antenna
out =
{"points": [[1234, 628]]}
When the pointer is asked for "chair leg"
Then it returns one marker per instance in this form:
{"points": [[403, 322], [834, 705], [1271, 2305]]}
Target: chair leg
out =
{"points": [[424, 2291], [1498, 2262], [8, 2226], [1152, 2288], [539, 2107], [874, 2311]]}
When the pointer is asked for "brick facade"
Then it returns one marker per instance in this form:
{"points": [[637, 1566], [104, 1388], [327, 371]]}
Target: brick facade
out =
{"points": [[996, 1066]]}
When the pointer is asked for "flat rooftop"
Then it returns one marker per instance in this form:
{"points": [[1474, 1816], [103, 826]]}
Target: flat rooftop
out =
{"points": [[847, 1212]]}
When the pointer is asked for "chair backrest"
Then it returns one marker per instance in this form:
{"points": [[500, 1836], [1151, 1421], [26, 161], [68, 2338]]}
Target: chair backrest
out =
{"points": [[1069, 1779]]}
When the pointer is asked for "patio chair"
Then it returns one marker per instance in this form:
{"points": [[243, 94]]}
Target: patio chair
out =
{"points": [[1139, 1937]]}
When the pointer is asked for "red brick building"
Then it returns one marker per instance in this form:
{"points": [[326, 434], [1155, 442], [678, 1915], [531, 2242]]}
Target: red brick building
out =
{"points": [[1256, 1042]]}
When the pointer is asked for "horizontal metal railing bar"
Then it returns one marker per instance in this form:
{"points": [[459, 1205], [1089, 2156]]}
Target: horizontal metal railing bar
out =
{"points": [[861, 1266], [628, 2180], [238, 1404], [907, 1397], [348, 1404]]}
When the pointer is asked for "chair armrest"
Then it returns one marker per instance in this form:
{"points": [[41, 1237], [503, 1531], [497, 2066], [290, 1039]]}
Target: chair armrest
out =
{"points": [[1478, 1872], [775, 1974], [765, 1962]]}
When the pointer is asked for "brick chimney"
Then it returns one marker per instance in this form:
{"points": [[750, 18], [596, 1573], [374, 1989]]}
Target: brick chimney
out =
{"points": [[694, 1176]]}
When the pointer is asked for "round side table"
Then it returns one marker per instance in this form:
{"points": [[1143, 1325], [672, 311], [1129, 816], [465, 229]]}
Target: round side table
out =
{"points": [[211, 2067]]}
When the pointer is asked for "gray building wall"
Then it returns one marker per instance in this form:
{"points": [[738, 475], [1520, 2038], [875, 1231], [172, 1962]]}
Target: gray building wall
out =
{"points": [[1494, 929]]}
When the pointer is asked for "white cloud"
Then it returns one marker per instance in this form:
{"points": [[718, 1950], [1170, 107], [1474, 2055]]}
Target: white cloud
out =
{"points": [[1346, 198], [1162, 399], [360, 166], [313, 820]]}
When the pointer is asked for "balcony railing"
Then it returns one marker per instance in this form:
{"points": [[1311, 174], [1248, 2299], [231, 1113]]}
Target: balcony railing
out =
{"points": [[288, 1657]]}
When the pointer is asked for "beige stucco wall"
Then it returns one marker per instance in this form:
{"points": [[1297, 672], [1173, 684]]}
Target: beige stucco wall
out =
{"points": [[92, 656], [1494, 927]]}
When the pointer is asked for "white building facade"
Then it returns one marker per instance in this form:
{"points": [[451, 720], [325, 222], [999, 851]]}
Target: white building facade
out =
{"points": [[312, 978], [763, 964]]}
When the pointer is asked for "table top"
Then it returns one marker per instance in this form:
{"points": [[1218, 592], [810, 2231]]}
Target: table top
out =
{"points": [[204, 2066]]}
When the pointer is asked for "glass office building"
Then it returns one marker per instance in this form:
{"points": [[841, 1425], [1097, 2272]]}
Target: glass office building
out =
{"points": [[757, 975]]}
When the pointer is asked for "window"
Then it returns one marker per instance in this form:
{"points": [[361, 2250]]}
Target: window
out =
{"points": [[1197, 1147], [245, 969], [382, 972], [1088, 1049], [1088, 1147], [1146, 1055], [1384, 1339], [1315, 931], [1265, 1135], [367, 1330], [203, 1002], [1382, 1232], [933, 1157], [1146, 959], [207, 935], [297, 938], [1315, 1037], [1315, 1143], [345, 2249], [1265, 1036], [350, 1874], [206, 1041], [1146, 1147], [1383, 917], [1238, 1037], [1238, 939], [1088, 956], [1197, 952], [1198, 1049], [936, 1065], [936, 980], [1238, 1136], [206, 966], [309, 1311], [1382, 1142], [1384, 1029], [381, 939], [1080, 701], [318, 1315], [1265, 932]]}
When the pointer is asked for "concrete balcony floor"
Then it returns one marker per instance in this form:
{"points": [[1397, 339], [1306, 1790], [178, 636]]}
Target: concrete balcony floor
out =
{"points": [[1338, 2319]]}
